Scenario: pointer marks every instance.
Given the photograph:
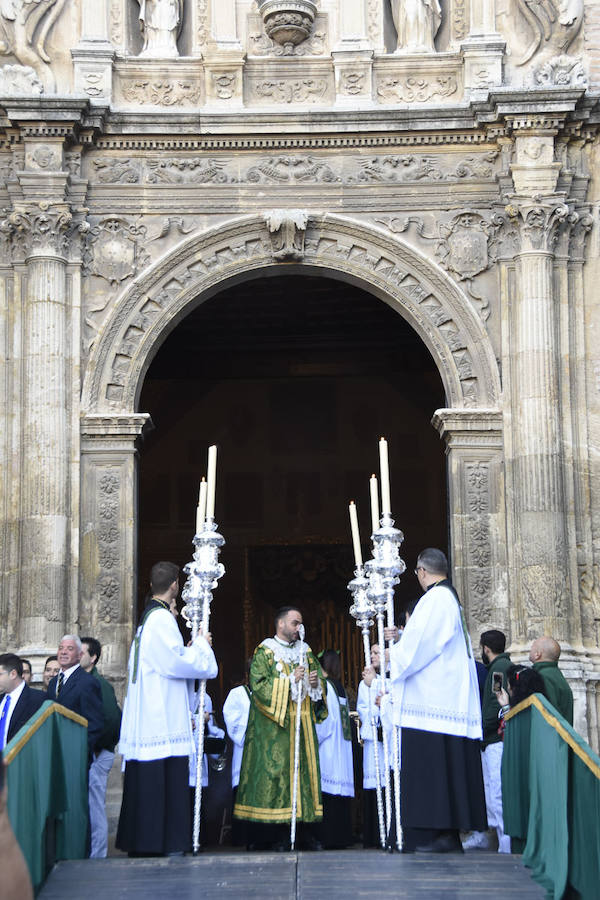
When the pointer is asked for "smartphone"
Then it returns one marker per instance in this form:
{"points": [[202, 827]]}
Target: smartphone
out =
{"points": [[497, 682]]}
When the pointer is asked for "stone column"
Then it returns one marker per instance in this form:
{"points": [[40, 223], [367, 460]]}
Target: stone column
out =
{"points": [[45, 401], [353, 57], [224, 59], [483, 50], [108, 542], [474, 447], [541, 560]]}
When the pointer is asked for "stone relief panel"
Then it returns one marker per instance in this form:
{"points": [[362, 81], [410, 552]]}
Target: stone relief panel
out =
{"points": [[544, 36], [108, 587], [147, 82], [401, 80]]}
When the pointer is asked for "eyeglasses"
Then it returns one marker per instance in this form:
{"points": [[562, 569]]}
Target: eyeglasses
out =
{"points": [[417, 570]]}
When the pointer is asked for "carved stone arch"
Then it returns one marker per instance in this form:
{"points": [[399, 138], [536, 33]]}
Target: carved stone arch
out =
{"points": [[340, 247]]}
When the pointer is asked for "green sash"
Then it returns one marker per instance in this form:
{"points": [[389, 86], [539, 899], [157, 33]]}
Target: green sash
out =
{"points": [[344, 715]]}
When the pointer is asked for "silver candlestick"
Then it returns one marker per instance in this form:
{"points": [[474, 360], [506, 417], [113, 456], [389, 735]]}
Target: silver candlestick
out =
{"points": [[203, 572], [386, 568], [362, 610]]}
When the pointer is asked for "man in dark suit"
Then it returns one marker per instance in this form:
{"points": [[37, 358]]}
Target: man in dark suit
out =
{"points": [[76, 689], [19, 702]]}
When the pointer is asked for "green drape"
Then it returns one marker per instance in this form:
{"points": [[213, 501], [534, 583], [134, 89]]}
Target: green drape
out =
{"points": [[47, 788], [551, 799]]}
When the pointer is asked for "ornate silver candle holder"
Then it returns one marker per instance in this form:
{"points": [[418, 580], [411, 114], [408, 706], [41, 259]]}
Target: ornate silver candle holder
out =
{"points": [[387, 562], [203, 574]]}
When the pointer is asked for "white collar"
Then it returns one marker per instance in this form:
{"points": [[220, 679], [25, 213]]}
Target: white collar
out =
{"points": [[68, 672], [15, 693]]}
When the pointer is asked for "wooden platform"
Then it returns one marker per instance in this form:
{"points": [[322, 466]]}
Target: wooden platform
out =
{"points": [[346, 875]]}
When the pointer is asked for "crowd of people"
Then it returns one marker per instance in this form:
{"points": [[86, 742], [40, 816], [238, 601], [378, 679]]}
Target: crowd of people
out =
{"points": [[290, 726]]}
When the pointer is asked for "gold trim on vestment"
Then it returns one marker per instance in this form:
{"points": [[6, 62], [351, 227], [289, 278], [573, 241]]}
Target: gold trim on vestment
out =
{"points": [[532, 700], [53, 708]]}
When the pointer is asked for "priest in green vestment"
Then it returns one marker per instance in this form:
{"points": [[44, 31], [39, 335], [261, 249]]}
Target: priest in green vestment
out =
{"points": [[267, 774]]}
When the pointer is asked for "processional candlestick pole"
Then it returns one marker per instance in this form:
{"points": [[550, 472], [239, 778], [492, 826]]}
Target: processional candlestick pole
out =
{"points": [[299, 699], [362, 611], [203, 574]]}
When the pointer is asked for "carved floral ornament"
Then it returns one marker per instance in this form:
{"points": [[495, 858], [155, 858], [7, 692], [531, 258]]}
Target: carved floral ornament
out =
{"points": [[288, 21], [42, 228], [429, 300]]}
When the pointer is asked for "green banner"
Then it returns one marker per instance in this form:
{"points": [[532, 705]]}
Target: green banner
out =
{"points": [[551, 799], [47, 788]]}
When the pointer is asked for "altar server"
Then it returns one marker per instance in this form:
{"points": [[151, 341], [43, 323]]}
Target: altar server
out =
{"points": [[335, 756], [235, 712], [436, 704], [156, 732], [368, 710]]}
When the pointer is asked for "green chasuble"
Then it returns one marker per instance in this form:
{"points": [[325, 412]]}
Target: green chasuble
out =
{"points": [[267, 775]]}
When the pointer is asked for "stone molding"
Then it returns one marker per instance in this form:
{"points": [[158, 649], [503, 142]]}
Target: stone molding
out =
{"points": [[420, 290]]}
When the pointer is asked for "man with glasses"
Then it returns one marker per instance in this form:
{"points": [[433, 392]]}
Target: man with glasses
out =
{"points": [[436, 704]]}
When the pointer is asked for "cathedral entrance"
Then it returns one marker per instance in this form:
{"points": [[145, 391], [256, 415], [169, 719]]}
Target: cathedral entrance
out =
{"points": [[295, 377]]}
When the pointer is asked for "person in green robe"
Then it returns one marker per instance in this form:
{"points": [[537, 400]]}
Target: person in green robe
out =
{"points": [[265, 790], [544, 654]]}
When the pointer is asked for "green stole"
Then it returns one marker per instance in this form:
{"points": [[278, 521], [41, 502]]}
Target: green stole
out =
{"points": [[344, 716]]}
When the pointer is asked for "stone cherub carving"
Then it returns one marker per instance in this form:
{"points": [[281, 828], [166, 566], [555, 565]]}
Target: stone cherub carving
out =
{"points": [[417, 23], [160, 23], [24, 27]]}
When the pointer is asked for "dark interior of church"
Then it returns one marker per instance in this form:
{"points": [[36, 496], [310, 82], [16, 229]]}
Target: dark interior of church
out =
{"points": [[295, 377]]}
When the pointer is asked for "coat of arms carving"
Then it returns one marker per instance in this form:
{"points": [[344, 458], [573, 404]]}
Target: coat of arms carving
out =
{"points": [[114, 250], [464, 249]]}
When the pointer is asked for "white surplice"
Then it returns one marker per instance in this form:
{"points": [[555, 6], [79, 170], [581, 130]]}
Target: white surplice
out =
{"points": [[156, 716], [367, 711], [236, 710], [433, 672], [335, 753]]}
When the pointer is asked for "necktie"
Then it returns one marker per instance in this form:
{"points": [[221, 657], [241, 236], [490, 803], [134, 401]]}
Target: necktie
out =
{"points": [[3, 719], [59, 683]]}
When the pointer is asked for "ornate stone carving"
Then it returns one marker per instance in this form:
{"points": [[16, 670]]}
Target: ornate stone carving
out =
{"points": [[460, 27], [25, 28], [287, 21], [537, 221], [117, 36], [202, 28], [111, 170], [19, 81], [373, 14], [352, 83], [398, 169], [224, 84], [197, 170], [44, 157], [415, 89], [565, 71], [107, 585], [554, 25], [290, 170], [161, 93], [287, 229], [41, 228], [479, 544], [292, 90], [115, 250], [464, 249], [417, 22], [173, 223], [261, 45]]}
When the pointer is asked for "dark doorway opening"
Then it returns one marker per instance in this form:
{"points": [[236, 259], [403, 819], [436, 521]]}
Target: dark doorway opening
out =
{"points": [[295, 377]]}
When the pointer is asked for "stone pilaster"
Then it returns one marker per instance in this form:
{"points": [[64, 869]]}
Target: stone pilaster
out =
{"points": [[107, 574], [474, 447], [41, 229], [93, 56], [537, 471]]}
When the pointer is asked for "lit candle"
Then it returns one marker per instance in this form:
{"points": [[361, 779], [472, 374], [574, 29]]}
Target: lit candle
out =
{"points": [[374, 503], [212, 482], [355, 534], [201, 510], [384, 471]]}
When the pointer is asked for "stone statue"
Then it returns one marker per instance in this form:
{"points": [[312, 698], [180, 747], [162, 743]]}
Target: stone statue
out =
{"points": [[417, 23], [160, 23], [24, 27]]}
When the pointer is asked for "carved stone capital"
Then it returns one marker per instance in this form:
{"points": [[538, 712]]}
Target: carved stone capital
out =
{"points": [[287, 228], [538, 221], [40, 229]]}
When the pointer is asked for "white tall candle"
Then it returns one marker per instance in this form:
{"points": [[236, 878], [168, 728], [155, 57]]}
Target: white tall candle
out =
{"points": [[355, 534], [374, 503], [201, 510], [212, 482], [384, 471]]}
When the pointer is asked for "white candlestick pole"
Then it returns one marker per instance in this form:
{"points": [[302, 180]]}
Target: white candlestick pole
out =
{"points": [[374, 503], [201, 509], [384, 468], [355, 533], [212, 482]]}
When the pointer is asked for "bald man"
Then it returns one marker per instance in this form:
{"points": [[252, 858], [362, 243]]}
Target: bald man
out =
{"points": [[544, 655]]}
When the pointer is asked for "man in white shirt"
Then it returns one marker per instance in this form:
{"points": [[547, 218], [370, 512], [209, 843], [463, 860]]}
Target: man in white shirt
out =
{"points": [[19, 702], [436, 704], [368, 711], [156, 732], [236, 710]]}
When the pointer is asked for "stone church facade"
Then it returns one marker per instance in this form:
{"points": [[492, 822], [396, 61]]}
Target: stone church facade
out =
{"points": [[444, 156]]}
